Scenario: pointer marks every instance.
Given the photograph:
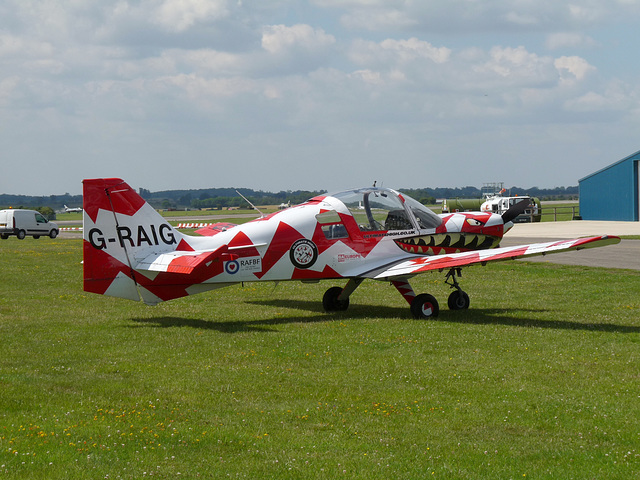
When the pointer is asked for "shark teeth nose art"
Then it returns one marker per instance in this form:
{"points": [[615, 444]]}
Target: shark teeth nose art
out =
{"points": [[447, 243]]}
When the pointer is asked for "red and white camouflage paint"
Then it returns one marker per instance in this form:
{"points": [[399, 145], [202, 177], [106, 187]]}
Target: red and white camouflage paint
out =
{"points": [[130, 251]]}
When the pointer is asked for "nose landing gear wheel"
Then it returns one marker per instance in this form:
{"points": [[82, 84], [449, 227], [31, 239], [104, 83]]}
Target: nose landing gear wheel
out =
{"points": [[458, 300], [425, 306]]}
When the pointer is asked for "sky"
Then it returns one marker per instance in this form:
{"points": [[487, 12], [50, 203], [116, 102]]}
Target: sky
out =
{"points": [[315, 95]]}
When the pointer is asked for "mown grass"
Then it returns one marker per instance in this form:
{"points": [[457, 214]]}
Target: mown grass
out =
{"points": [[539, 379], [559, 212]]}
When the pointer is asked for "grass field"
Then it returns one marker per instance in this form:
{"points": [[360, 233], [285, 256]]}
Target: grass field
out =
{"points": [[539, 379], [559, 212]]}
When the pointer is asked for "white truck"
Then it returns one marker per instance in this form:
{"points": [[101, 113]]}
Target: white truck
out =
{"points": [[19, 222], [499, 204]]}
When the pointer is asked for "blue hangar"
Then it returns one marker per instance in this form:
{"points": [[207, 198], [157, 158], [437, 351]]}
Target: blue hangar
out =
{"points": [[612, 193]]}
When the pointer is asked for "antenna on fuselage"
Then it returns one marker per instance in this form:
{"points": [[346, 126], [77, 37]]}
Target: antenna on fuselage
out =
{"points": [[252, 205]]}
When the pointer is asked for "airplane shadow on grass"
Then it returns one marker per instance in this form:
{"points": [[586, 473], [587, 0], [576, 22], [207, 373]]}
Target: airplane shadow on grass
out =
{"points": [[490, 316]]}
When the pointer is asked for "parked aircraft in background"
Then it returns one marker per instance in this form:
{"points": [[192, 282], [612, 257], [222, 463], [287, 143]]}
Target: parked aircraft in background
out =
{"points": [[132, 252], [72, 210]]}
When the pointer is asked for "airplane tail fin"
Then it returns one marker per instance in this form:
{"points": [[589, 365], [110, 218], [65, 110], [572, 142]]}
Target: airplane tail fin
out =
{"points": [[120, 230]]}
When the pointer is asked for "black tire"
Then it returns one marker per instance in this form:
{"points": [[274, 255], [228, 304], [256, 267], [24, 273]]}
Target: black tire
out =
{"points": [[35, 237], [458, 300], [21, 234], [425, 306], [4, 236], [330, 301], [53, 233]]}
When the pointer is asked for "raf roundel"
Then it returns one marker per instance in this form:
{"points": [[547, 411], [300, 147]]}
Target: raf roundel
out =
{"points": [[232, 267], [303, 253]]}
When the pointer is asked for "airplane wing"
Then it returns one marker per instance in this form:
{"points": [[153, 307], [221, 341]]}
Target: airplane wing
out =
{"points": [[417, 265]]}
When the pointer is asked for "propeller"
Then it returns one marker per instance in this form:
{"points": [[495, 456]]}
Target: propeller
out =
{"points": [[515, 210]]}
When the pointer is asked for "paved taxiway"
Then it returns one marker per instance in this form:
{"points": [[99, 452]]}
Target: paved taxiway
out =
{"points": [[624, 255]]}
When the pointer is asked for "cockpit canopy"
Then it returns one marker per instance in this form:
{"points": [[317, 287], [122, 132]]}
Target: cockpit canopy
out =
{"points": [[382, 209]]}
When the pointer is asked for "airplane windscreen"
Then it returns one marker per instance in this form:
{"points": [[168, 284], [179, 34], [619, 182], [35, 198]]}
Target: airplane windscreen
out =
{"points": [[381, 209], [425, 217]]}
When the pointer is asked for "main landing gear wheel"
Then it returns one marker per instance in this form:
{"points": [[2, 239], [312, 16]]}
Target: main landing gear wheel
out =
{"points": [[458, 300], [331, 303], [425, 306]]}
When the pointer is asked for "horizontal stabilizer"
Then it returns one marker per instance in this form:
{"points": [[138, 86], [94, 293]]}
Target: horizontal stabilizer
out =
{"points": [[215, 228], [177, 261]]}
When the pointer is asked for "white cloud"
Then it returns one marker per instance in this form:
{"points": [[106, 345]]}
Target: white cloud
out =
{"points": [[200, 89], [556, 41], [588, 102], [280, 39], [158, 80], [378, 19], [588, 13], [464, 16], [616, 97], [7, 88], [576, 66], [408, 50], [368, 76], [18, 46], [518, 66], [179, 15], [393, 52], [521, 19]]}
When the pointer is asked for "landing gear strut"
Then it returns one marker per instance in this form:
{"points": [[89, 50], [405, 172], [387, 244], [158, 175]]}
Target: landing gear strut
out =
{"points": [[458, 300], [423, 306]]}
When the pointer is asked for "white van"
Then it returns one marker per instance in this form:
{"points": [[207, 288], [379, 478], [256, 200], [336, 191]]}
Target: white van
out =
{"points": [[21, 223]]}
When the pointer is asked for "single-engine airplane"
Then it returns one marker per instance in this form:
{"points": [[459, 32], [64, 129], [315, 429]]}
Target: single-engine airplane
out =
{"points": [[131, 251]]}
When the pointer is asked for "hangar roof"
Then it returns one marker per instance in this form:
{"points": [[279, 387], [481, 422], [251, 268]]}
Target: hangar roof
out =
{"points": [[609, 166]]}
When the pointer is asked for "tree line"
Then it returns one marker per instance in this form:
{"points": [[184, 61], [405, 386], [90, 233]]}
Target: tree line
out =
{"points": [[428, 196]]}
